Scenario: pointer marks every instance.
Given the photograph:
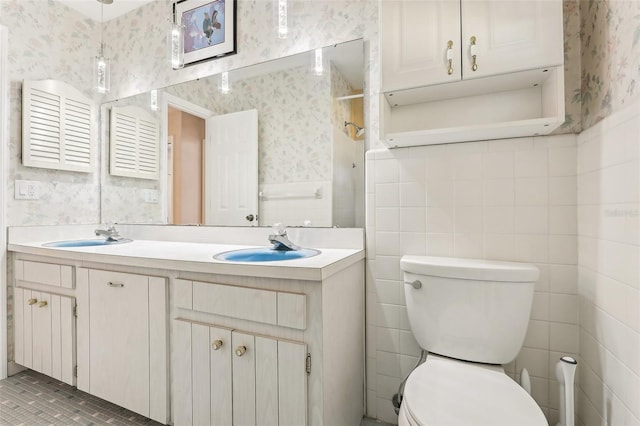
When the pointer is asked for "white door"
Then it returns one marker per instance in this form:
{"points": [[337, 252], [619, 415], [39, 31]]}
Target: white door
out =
{"points": [[418, 39], [231, 171], [512, 35], [170, 151]]}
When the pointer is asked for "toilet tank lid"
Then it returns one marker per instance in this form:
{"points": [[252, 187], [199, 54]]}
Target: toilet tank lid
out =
{"points": [[469, 269]]}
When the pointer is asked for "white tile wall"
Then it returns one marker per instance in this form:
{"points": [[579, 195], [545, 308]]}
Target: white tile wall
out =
{"points": [[608, 170], [506, 200]]}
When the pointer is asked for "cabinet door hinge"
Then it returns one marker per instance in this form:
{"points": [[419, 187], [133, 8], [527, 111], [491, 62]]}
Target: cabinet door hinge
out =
{"points": [[75, 311], [308, 364], [75, 371]]}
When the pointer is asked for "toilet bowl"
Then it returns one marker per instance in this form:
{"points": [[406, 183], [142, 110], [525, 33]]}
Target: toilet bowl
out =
{"points": [[471, 316]]}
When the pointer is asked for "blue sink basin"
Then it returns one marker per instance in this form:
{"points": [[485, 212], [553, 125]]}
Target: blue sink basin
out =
{"points": [[85, 243], [264, 254]]}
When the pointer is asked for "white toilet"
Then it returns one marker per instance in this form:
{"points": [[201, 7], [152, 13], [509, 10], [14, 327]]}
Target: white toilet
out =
{"points": [[471, 316]]}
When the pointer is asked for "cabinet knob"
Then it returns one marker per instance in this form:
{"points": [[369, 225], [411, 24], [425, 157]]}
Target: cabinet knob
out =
{"points": [[217, 344], [472, 50], [42, 304], [240, 350], [32, 301], [450, 56]]}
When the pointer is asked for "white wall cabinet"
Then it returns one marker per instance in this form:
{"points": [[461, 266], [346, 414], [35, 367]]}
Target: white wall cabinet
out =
{"points": [[122, 340], [45, 333], [470, 70], [228, 377], [433, 42]]}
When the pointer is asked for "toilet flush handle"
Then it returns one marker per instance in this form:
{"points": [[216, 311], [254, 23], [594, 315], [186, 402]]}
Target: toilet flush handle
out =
{"points": [[415, 284]]}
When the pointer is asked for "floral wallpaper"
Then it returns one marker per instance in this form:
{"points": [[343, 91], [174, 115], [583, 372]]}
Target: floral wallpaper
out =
{"points": [[572, 95], [341, 109], [294, 123], [49, 41], [136, 41], [610, 57]]}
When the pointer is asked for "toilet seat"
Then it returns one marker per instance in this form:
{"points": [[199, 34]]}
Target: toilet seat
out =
{"points": [[443, 391]]}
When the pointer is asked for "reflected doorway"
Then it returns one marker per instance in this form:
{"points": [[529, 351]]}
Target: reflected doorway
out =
{"points": [[185, 154]]}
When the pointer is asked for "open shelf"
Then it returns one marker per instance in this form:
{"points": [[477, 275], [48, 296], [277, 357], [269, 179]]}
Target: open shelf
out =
{"points": [[519, 104]]}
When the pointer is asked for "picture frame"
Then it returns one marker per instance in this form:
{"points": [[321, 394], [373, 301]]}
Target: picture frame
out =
{"points": [[209, 28]]}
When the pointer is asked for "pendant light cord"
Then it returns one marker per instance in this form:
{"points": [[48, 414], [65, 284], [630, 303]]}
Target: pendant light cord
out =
{"points": [[101, 28]]}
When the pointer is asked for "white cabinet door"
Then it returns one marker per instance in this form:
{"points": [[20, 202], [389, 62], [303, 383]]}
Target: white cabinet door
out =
{"points": [[41, 323], [220, 376], [510, 35], [292, 383], [269, 381], [266, 381], [201, 374], [244, 379], [119, 339], [45, 333], [417, 39], [211, 375], [226, 377], [181, 367], [499, 36]]}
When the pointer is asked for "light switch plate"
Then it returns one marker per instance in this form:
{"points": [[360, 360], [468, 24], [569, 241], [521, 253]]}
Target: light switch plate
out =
{"points": [[27, 190], [151, 196]]}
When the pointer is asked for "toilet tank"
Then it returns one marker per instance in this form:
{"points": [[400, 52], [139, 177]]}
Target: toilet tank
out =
{"points": [[469, 309]]}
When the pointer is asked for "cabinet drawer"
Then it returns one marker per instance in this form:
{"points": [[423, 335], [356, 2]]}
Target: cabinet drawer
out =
{"points": [[44, 273], [266, 306]]}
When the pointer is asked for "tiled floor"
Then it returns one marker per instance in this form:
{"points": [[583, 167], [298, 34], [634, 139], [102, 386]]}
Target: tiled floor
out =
{"points": [[30, 398]]}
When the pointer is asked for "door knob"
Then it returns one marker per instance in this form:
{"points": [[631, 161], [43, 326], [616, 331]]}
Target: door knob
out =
{"points": [[240, 350], [250, 217], [217, 344]]}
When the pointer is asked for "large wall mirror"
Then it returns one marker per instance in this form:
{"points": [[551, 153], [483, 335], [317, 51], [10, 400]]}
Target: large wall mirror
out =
{"points": [[281, 141]]}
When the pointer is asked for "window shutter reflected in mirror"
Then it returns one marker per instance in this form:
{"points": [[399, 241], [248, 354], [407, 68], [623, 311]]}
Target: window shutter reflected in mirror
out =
{"points": [[57, 126], [135, 138]]}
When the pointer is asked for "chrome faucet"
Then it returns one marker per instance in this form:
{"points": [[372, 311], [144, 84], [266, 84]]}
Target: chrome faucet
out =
{"points": [[279, 238], [111, 233]]}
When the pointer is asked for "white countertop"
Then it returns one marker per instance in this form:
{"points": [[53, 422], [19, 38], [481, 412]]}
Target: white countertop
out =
{"points": [[197, 257]]}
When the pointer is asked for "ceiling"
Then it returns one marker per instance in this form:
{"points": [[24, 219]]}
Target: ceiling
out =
{"points": [[91, 8]]}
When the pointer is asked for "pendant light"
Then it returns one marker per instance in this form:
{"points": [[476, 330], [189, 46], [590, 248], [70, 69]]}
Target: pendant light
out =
{"points": [[101, 72], [175, 43], [282, 14], [318, 65]]}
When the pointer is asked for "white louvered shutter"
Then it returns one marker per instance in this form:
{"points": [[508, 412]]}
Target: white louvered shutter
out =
{"points": [[135, 139], [57, 126]]}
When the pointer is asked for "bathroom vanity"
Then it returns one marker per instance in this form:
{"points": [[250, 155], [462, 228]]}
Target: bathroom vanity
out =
{"points": [[163, 329]]}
